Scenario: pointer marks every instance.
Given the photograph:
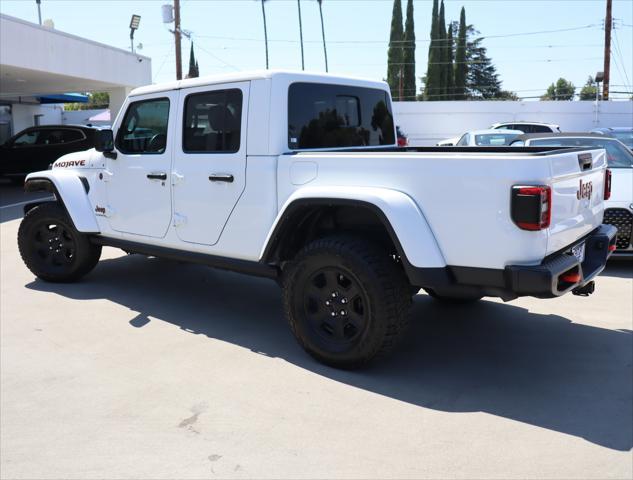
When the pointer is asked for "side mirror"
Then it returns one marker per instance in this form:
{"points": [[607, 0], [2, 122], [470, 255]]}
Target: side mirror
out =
{"points": [[104, 142]]}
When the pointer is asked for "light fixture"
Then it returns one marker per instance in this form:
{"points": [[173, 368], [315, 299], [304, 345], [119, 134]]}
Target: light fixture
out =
{"points": [[134, 23]]}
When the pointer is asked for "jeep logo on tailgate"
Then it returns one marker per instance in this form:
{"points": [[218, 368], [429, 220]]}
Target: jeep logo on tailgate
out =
{"points": [[584, 190]]}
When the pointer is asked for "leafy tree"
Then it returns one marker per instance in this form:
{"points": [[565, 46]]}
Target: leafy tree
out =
{"points": [[588, 91], [408, 54], [482, 80], [561, 90], [96, 100], [394, 54], [461, 67], [433, 72], [193, 65], [506, 95]]}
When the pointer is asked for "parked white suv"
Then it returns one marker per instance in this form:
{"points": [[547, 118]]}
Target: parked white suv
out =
{"points": [[297, 177], [527, 127]]}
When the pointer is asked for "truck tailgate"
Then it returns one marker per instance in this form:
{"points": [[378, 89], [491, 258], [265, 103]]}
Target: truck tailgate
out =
{"points": [[578, 181]]}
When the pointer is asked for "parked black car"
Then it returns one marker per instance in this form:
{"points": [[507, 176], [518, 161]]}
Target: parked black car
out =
{"points": [[35, 148]]}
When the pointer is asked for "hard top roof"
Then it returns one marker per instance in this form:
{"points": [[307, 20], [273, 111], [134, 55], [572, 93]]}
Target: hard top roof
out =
{"points": [[254, 75]]}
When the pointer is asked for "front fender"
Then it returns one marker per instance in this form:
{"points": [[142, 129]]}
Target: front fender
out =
{"points": [[70, 191], [398, 211]]}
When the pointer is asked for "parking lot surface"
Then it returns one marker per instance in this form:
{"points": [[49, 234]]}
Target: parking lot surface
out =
{"points": [[155, 369]]}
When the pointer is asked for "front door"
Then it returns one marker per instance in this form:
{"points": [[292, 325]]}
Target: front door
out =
{"points": [[210, 160], [138, 180]]}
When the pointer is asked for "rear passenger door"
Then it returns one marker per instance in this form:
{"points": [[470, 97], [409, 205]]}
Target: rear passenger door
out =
{"points": [[209, 172]]}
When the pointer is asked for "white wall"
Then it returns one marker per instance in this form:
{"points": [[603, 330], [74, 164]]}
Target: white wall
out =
{"points": [[81, 117], [426, 123], [23, 115]]}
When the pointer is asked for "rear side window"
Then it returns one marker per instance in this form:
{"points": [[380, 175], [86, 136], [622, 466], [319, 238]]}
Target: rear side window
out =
{"points": [[144, 127], [72, 136], [212, 122], [541, 129], [333, 116]]}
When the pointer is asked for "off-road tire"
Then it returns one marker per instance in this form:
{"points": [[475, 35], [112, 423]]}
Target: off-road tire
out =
{"points": [[52, 248], [348, 267], [455, 300]]}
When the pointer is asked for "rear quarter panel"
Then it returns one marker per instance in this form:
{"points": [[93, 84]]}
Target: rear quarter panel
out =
{"points": [[464, 198]]}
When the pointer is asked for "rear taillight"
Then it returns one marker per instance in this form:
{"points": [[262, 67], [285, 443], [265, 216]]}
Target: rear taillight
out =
{"points": [[531, 206], [607, 184]]}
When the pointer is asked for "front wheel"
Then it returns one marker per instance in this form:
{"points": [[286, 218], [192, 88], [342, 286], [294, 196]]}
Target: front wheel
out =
{"points": [[346, 300], [52, 248]]}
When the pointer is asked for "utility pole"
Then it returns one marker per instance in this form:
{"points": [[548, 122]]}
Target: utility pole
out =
{"points": [[607, 51], [303, 67], [177, 39]]}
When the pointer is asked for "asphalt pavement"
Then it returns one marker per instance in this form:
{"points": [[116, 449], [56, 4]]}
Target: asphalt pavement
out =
{"points": [[156, 369]]}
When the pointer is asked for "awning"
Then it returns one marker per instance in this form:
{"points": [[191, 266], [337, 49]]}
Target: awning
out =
{"points": [[64, 98]]}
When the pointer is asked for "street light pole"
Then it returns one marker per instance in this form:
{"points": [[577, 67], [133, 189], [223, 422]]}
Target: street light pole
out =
{"points": [[323, 33], [301, 35], [39, 10], [265, 32]]}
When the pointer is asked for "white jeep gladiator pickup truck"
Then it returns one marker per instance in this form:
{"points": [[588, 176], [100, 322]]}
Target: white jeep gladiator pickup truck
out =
{"points": [[298, 177]]}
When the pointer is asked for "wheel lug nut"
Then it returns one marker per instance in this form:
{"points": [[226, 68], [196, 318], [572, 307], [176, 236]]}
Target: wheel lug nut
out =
{"points": [[333, 314], [343, 313], [327, 302], [344, 300]]}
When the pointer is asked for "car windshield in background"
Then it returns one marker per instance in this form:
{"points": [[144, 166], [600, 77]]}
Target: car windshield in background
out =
{"points": [[495, 139], [625, 137], [618, 156]]}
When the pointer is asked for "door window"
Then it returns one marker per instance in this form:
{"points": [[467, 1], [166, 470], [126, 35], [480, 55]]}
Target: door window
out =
{"points": [[212, 122], [26, 139], [144, 127]]}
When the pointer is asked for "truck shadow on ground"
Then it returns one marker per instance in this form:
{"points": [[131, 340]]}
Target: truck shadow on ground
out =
{"points": [[496, 358]]}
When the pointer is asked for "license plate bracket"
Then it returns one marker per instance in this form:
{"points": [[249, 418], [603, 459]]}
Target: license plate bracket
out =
{"points": [[578, 251]]}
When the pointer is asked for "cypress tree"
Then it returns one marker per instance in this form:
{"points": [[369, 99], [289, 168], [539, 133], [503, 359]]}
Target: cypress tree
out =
{"points": [[443, 57], [461, 68], [394, 54], [408, 54], [193, 65], [450, 73], [432, 79]]}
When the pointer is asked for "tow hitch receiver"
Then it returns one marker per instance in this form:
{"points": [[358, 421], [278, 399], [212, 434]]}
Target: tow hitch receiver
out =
{"points": [[585, 290]]}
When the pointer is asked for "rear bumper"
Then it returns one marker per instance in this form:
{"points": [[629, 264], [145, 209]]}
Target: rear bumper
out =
{"points": [[542, 281], [546, 280]]}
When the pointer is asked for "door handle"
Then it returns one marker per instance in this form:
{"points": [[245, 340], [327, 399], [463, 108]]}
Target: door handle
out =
{"points": [[157, 176], [221, 177]]}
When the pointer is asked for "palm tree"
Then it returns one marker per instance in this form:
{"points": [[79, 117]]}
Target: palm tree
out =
{"points": [[301, 35], [265, 32], [323, 33]]}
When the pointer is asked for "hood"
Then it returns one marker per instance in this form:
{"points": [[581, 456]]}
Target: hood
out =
{"points": [[80, 160], [621, 185]]}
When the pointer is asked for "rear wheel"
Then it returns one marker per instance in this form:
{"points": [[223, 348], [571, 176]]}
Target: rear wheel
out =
{"points": [[52, 248], [346, 300]]}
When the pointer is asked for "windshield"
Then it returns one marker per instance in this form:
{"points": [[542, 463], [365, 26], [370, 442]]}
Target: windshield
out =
{"points": [[618, 156], [625, 137], [495, 139]]}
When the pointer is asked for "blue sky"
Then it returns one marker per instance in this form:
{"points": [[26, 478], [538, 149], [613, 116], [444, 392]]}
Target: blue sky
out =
{"points": [[228, 35]]}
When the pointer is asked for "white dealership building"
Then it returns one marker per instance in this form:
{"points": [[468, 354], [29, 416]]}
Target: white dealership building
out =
{"points": [[41, 68]]}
